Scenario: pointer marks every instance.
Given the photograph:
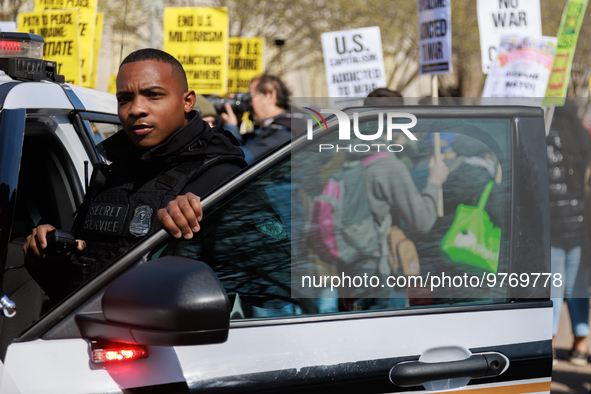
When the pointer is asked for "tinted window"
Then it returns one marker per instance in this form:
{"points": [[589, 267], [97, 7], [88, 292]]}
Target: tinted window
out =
{"points": [[266, 242]]}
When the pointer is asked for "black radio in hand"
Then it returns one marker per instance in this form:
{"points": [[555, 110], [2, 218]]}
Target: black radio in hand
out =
{"points": [[60, 243]]}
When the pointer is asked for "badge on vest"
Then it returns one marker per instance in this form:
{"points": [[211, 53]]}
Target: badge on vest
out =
{"points": [[140, 222], [105, 218]]}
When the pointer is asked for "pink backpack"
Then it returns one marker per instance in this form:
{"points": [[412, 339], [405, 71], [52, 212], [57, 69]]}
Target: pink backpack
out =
{"points": [[342, 228]]}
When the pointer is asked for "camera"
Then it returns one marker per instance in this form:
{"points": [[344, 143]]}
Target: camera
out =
{"points": [[240, 103]]}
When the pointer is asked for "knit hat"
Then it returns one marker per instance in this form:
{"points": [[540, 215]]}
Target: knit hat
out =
{"points": [[204, 107]]}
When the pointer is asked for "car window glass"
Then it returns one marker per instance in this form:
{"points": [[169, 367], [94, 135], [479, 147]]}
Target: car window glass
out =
{"points": [[266, 242], [102, 131], [48, 179]]}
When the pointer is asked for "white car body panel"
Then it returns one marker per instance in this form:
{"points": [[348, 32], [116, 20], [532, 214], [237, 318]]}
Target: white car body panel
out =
{"points": [[95, 100], [7, 385], [37, 95], [272, 348]]}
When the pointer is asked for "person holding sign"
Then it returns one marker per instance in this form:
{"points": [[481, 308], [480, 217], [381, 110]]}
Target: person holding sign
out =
{"points": [[270, 106], [161, 161]]}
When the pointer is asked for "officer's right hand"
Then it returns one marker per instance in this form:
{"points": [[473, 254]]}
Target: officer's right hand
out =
{"points": [[181, 216], [37, 242]]}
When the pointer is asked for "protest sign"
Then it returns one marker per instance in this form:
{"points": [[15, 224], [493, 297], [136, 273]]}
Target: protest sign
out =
{"points": [[354, 62], [60, 31], [98, 33], [522, 67], [568, 33], [198, 38], [7, 26], [245, 62], [86, 29], [112, 84], [505, 18], [434, 36]]}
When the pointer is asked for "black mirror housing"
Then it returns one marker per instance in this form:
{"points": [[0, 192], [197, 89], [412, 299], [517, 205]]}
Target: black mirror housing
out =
{"points": [[171, 301]]}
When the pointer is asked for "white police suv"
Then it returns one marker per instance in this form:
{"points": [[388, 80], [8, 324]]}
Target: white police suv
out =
{"points": [[254, 303]]}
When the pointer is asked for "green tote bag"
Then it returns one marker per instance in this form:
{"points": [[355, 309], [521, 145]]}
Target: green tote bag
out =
{"points": [[473, 239]]}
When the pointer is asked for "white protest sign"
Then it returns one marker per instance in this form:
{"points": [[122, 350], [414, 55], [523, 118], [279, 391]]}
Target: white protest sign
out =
{"points": [[522, 67], [434, 36], [354, 62], [7, 26], [497, 18]]}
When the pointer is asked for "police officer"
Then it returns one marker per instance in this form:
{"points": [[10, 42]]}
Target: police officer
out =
{"points": [[164, 157]]}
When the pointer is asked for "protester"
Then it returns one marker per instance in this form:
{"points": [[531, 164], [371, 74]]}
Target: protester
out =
{"points": [[381, 184], [271, 112], [569, 152]]}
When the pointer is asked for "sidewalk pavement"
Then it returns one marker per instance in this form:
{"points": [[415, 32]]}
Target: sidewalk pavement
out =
{"points": [[568, 378]]}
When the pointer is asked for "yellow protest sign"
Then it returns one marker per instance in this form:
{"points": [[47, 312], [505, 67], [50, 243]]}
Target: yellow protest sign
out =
{"points": [[245, 62], [60, 31], [198, 38], [86, 25], [113, 84], [98, 33], [568, 34]]}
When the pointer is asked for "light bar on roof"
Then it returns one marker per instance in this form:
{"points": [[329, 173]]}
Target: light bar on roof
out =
{"points": [[21, 45]]}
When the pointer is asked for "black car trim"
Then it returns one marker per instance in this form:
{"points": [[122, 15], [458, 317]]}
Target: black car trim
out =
{"points": [[169, 388], [88, 116], [512, 213], [531, 360], [528, 202], [85, 136], [99, 117], [72, 97], [423, 310], [454, 111]]}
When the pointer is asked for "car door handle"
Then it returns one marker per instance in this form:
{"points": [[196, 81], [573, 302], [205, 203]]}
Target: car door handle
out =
{"points": [[413, 373]]}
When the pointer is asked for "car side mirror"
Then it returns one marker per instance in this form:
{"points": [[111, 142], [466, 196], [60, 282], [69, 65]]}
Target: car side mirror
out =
{"points": [[170, 301]]}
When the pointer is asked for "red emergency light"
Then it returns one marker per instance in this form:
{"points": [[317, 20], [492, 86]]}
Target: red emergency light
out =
{"points": [[21, 57], [119, 352], [21, 45]]}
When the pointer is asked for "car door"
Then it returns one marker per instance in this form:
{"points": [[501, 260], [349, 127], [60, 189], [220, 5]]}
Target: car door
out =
{"points": [[486, 330]]}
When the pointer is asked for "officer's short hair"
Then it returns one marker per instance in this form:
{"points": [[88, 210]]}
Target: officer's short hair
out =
{"points": [[269, 82], [159, 56]]}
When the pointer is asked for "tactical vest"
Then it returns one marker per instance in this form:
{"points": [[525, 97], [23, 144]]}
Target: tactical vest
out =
{"points": [[117, 213]]}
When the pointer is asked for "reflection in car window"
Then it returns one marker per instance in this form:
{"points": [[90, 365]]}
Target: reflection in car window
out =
{"points": [[102, 131], [247, 243], [264, 241]]}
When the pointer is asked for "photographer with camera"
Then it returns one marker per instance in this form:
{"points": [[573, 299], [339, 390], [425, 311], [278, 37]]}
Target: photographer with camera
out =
{"points": [[272, 118]]}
